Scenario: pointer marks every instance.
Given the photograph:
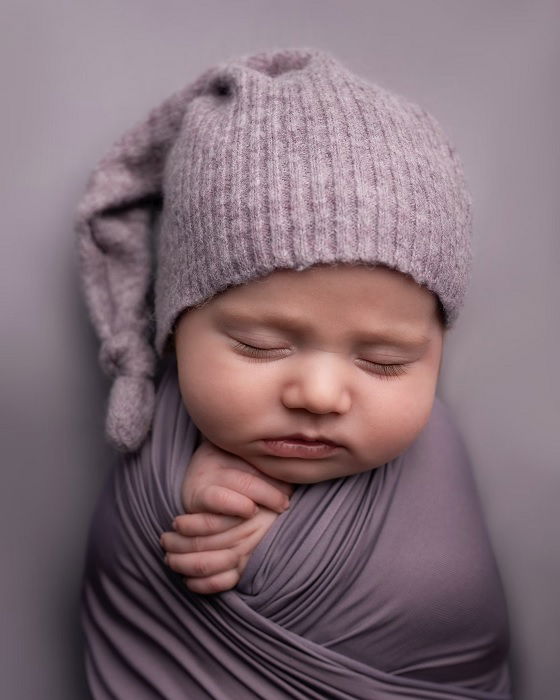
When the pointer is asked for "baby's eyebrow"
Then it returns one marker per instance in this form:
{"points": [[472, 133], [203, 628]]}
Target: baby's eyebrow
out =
{"points": [[403, 338]]}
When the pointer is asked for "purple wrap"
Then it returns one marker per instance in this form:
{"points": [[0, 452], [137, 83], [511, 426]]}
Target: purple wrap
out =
{"points": [[377, 586]]}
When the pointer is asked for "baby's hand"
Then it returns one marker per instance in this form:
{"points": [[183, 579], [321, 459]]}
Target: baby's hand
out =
{"points": [[210, 552], [217, 481], [212, 543]]}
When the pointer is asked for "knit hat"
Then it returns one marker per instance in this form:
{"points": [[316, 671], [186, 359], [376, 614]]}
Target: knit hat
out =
{"points": [[281, 159]]}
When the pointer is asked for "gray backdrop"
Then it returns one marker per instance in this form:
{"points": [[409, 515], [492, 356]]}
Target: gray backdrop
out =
{"points": [[76, 74]]}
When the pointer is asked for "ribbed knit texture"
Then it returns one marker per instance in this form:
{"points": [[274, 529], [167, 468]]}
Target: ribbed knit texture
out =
{"points": [[295, 161], [283, 159]]}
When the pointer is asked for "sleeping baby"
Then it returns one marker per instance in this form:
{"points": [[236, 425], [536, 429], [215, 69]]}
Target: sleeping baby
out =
{"points": [[313, 252]]}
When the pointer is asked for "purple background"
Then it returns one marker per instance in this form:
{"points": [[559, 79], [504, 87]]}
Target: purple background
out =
{"points": [[75, 75]]}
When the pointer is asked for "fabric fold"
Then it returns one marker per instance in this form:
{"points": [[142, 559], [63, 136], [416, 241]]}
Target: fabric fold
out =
{"points": [[380, 585]]}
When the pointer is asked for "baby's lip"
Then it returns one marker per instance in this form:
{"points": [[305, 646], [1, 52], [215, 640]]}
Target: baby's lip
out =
{"points": [[308, 438]]}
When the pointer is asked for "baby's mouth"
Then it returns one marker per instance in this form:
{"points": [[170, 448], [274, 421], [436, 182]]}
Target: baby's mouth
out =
{"points": [[299, 447], [307, 439]]}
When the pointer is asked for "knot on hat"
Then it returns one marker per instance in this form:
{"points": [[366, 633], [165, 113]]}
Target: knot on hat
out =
{"points": [[126, 353], [129, 358], [130, 412]]}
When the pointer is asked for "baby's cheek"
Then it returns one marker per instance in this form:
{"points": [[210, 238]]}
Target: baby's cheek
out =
{"points": [[386, 428]]}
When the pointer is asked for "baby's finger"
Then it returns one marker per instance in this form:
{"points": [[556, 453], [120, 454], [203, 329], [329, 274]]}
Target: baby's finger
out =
{"points": [[203, 564], [179, 544], [219, 499], [213, 584], [257, 488], [202, 524]]}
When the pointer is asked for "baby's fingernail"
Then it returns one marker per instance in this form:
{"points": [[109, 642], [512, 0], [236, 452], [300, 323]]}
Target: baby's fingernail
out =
{"points": [[174, 524], [166, 559], [286, 504]]}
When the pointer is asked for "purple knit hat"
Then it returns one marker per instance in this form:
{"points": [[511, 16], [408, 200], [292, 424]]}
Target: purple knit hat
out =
{"points": [[282, 159]]}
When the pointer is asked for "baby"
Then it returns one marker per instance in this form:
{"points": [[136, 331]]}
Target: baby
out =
{"points": [[347, 354], [313, 250]]}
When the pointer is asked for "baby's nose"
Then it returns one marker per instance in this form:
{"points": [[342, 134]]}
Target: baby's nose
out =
{"points": [[319, 386]]}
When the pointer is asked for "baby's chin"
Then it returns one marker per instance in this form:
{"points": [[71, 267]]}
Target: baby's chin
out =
{"points": [[307, 471]]}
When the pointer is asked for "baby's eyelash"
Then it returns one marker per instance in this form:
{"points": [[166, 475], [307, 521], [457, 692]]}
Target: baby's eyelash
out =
{"points": [[387, 371], [253, 351], [394, 370]]}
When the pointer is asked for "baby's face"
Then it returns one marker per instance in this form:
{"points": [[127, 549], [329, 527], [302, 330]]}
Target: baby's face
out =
{"points": [[350, 353]]}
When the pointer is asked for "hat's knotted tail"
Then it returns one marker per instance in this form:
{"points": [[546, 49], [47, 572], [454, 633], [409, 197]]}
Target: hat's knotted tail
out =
{"points": [[113, 222]]}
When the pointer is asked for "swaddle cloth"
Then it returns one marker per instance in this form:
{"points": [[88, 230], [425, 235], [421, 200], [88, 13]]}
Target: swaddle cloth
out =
{"points": [[377, 586]]}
